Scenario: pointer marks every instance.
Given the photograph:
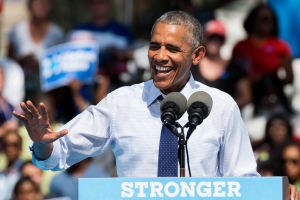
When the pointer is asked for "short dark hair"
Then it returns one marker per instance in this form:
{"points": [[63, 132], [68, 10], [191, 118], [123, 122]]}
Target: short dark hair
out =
{"points": [[19, 184], [250, 19], [183, 19]]}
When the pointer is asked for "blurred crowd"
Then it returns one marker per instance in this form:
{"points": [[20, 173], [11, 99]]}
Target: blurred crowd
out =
{"points": [[256, 76]]}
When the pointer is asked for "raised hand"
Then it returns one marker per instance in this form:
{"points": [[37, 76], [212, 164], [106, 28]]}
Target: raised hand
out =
{"points": [[37, 123]]}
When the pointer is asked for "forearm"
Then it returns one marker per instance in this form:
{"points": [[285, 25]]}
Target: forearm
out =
{"points": [[42, 151]]}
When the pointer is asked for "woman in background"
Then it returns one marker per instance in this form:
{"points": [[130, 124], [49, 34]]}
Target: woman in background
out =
{"points": [[262, 55], [28, 41]]}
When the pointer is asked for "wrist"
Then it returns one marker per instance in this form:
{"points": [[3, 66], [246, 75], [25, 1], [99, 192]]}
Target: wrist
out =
{"points": [[41, 151]]}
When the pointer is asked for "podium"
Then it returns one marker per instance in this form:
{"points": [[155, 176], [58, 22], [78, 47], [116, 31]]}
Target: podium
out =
{"points": [[241, 188]]}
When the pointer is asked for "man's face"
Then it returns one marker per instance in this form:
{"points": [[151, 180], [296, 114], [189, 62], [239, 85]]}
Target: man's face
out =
{"points": [[171, 56]]}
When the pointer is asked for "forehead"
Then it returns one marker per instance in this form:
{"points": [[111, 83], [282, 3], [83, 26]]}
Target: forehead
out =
{"points": [[170, 33], [292, 148], [11, 138]]}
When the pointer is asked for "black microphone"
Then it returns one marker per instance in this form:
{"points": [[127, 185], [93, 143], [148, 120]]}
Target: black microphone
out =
{"points": [[198, 107], [172, 108]]}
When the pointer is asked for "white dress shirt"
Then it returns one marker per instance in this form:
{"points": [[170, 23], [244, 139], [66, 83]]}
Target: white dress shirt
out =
{"points": [[128, 120]]}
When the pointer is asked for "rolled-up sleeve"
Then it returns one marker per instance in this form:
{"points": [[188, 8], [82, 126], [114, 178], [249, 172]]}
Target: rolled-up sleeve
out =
{"points": [[88, 135]]}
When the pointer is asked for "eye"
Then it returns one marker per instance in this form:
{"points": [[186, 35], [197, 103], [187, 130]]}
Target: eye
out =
{"points": [[173, 49], [154, 46]]}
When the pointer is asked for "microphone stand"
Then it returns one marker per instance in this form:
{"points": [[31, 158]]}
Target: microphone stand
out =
{"points": [[181, 153], [181, 144]]}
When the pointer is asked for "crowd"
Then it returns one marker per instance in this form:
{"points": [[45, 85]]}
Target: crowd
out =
{"points": [[255, 76]]}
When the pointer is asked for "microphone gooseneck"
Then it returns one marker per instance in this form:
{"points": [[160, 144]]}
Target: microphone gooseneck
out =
{"points": [[198, 107], [172, 108]]}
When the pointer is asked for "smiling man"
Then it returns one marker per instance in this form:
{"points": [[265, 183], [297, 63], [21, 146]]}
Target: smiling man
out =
{"points": [[173, 50], [128, 119]]}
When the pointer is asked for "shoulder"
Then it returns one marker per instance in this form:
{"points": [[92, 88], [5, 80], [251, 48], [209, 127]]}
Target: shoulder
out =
{"points": [[241, 46], [117, 26], [243, 42], [222, 102], [84, 26], [55, 29], [281, 45], [120, 29], [126, 95], [20, 27]]}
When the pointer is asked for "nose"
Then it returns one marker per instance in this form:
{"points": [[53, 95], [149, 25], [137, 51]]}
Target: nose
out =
{"points": [[162, 55]]}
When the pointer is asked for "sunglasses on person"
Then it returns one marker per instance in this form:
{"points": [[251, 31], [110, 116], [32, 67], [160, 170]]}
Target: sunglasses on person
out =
{"points": [[12, 144], [291, 160], [216, 37]]}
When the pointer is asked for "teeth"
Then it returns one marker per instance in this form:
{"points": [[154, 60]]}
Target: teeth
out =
{"points": [[158, 68]]}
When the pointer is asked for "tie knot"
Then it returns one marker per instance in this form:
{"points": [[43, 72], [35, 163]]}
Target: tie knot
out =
{"points": [[160, 98]]}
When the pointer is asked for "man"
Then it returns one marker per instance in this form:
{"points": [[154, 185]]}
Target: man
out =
{"points": [[128, 119]]}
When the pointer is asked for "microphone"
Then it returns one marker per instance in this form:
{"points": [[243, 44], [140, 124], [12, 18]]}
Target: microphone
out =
{"points": [[198, 107], [172, 108]]}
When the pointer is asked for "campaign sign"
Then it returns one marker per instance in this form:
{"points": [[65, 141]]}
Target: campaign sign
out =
{"points": [[246, 188], [63, 63]]}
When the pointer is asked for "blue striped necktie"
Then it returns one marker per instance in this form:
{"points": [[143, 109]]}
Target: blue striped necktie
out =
{"points": [[168, 154]]}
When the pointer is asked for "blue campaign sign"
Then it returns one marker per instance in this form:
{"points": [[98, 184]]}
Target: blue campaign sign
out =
{"points": [[63, 63], [246, 188]]}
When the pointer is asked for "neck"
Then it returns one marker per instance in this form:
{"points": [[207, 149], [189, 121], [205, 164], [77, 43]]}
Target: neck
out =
{"points": [[11, 163], [100, 21], [216, 56], [176, 88], [38, 22]]}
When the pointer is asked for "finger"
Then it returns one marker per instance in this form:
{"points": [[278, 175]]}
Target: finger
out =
{"points": [[43, 111], [26, 111], [292, 192], [297, 195], [19, 116], [33, 110], [56, 135], [61, 133]]}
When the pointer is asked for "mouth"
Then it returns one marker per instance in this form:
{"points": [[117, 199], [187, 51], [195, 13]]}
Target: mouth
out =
{"points": [[162, 70]]}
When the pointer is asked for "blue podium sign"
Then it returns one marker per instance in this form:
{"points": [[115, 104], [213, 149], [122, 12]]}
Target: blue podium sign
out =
{"points": [[246, 188]]}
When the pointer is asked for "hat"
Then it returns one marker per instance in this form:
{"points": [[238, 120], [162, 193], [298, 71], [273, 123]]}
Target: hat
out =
{"points": [[214, 27]]}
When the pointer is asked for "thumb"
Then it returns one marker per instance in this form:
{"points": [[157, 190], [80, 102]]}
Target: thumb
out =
{"points": [[61, 133]]}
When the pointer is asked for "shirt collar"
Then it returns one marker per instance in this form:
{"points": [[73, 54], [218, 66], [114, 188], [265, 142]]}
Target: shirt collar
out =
{"points": [[186, 91]]}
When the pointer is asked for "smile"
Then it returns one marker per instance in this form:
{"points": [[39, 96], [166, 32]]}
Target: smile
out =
{"points": [[162, 69]]}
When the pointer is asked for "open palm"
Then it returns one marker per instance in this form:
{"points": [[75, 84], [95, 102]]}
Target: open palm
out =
{"points": [[37, 123]]}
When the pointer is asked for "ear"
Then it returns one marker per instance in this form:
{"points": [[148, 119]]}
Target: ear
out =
{"points": [[198, 54]]}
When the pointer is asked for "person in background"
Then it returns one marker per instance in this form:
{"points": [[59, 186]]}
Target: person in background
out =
{"points": [[212, 67], [278, 132], [14, 81], [28, 40], [26, 189], [7, 123], [112, 38], [28, 169], [12, 144], [217, 72], [291, 163], [69, 179], [262, 55]]}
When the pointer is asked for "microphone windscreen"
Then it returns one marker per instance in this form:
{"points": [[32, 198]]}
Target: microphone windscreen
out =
{"points": [[203, 97], [176, 98]]}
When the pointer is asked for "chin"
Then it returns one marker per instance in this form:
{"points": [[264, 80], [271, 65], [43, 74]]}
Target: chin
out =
{"points": [[160, 85]]}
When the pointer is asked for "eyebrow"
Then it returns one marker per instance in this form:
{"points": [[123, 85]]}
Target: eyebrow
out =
{"points": [[175, 47]]}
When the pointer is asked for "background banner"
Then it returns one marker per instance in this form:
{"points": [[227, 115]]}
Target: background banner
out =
{"points": [[63, 63]]}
